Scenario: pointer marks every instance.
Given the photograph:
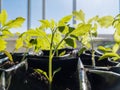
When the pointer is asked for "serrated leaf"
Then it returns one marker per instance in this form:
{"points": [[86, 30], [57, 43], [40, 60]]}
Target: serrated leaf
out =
{"points": [[81, 30], [8, 55], [43, 43], [45, 23], [36, 32], [65, 19], [79, 15], [15, 23], [3, 17], [106, 21], [106, 55]]}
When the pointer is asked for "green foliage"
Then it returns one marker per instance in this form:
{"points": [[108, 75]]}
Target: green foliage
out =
{"points": [[113, 52], [104, 49], [8, 54], [59, 35], [79, 15], [106, 55], [5, 30], [106, 21], [87, 29], [38, 39]]}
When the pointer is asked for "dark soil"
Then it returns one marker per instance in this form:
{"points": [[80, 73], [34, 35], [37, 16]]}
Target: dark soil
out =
{"points": [[35, 81], [7, 64]]}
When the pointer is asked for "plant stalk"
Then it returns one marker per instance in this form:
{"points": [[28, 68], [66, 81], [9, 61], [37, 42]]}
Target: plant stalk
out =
{"points": [[51, 54], [93, 51], [50, 70]]}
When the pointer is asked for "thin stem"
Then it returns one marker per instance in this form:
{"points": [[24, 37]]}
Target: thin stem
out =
{"points": [[24, 54], [50, 70], [93, 52], [50, 62]]}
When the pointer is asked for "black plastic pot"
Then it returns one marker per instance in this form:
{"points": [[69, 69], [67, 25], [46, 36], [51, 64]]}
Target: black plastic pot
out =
{"points": [[11, 75], [104, 79], [86, 60], [66, 79], [105, 76]]}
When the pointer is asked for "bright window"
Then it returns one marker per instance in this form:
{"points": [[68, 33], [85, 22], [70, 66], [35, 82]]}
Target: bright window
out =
{"points": [[36, 12], [56, 9], [101, 8], [15, 9]]}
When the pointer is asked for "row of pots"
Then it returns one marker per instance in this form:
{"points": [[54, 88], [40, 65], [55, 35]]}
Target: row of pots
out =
{"points": [[76, 73]]}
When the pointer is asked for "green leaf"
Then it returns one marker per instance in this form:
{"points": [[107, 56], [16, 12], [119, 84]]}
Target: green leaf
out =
{"points": [[15, 23], [2, 44], [64, 29], [7, 33], [79, 15], [65, 19], [86, 40], [62, 53], [117, 37], [117, 27], [81, 30], [55, 71], [106, 21], [33, 41], [43, 43], [40, 71], [52, 24], [8, 55], [106, 55], [3, 17], [104, 49], [45, 23], [81, 51], [117, 17], [36, 32], [19, 43], [116, 47], [61, 28], [115, 58], [71, 29], [93, 19], [70, 42]]}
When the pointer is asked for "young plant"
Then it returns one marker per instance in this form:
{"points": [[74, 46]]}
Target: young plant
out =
{"points": [[5, 30], [114, 51], [87, 30], [59, 36]]}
